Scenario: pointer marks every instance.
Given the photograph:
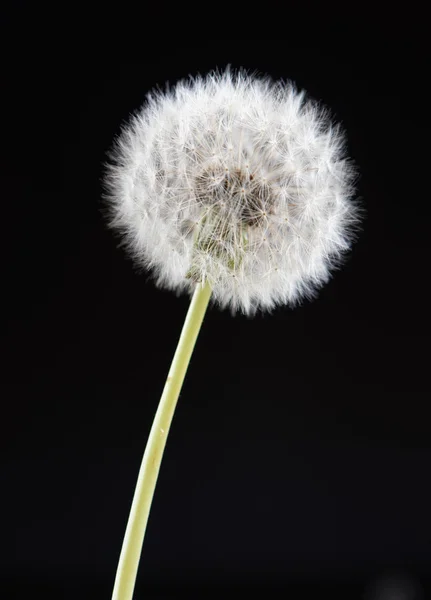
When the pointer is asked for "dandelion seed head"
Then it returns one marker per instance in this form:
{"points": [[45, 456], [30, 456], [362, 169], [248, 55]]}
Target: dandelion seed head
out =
{"points": [[237, 181]]}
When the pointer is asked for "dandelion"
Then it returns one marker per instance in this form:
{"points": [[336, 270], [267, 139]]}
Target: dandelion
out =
{"points": [[229, 187]]}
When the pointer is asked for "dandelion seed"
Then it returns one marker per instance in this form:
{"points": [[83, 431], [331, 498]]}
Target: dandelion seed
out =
{"points": [[274, 166]]}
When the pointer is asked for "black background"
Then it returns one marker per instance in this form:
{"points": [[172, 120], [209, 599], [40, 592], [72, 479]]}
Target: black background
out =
{"points": [[298, 459]]}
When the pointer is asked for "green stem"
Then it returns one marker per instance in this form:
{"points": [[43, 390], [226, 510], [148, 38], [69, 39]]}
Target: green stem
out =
{"points": [[147, 478]]}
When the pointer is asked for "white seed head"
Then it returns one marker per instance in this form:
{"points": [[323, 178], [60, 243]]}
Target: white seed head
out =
{"points": [[234, 180]]}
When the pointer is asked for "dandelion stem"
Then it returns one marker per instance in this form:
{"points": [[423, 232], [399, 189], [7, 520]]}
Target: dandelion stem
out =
{"points": [[147, 478]]}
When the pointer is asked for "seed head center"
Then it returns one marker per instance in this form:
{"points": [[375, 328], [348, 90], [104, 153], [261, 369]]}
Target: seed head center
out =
{"points": [[238, 194]]}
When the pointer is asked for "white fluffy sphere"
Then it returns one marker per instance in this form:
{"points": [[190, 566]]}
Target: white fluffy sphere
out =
{"points": [[234, 180]]}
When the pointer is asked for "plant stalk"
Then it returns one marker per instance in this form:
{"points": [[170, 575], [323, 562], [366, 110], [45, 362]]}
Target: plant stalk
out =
{"points": [[150, 466]]}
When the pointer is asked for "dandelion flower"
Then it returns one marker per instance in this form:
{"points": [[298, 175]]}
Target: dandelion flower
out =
{"points": [[236, 181], [228, 187]]}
